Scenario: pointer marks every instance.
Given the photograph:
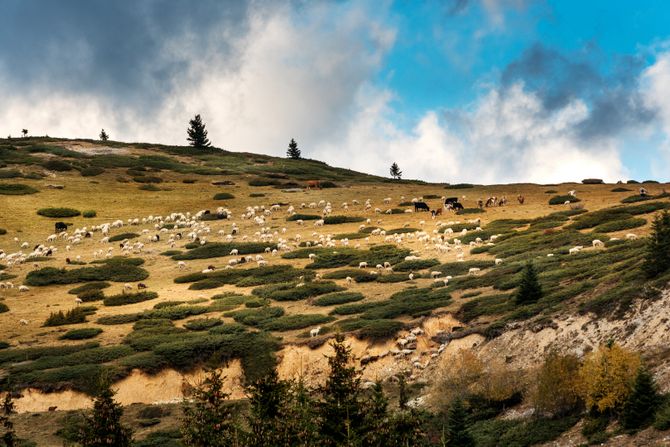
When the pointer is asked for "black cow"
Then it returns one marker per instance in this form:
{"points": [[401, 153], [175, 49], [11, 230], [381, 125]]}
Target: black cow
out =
{"points": [[421, 206], [60, 227], [456, 206], [450, 200]]}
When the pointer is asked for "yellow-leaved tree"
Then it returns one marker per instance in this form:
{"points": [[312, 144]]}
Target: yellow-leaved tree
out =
{"points": [[607, 376], [555, 390]]}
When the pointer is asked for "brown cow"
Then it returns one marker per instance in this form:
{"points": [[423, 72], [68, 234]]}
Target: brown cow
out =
{"points": [[313, 184]]}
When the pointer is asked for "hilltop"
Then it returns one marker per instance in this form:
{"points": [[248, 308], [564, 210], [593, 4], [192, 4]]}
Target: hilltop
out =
{"points": [[181, 221]]}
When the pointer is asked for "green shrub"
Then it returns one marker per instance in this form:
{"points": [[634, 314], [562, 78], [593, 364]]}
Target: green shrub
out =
{"points": [[460, 186], [412, 302], [621, 189], [72, 316], [223, 196], [295, 217], [91, 295], [219, 249], [149, 187], [560, 200], [57, 165], [91, 171], [171, 252], [333, 220], [637, 198], [632, 182], [351, 309], [4, 345], [16, 189], [10, 173], [202, 324], [461, 268], [343, 256], [379, 329], [129, 298], [112, 271], [58, 212], [417, 264], [98, 285], [147, 179], [339, 237], [3, 231], [292, 322], [256, 317], [328, 184], [550, 191], [25, 354], [289, 291], [470, 211], [119, 319], [89, 214], [81, 334], [618, 225], [3, 307], [263, 182], [333, 299], [256, 194], [123, 236], [592, 181]]}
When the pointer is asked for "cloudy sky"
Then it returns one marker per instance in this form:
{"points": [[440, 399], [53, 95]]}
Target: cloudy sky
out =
{"points": [[462, 90]]}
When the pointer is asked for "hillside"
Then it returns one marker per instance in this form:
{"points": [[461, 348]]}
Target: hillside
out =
{"points": [[175, 259]]}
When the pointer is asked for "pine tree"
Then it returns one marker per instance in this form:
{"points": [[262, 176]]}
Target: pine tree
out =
{"points": [[8, 438], [302, 426], [269, 404], [24, 132], [103, 135], [341, 411], [640, 407], [395, 171], [529, 289], [209, 420], [293, 151], [456, 433], [103, 427], [377, 428], [657, 258], [197, 135]]}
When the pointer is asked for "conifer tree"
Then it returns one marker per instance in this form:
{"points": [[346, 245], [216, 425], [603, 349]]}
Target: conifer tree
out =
{"points": [[301, 422], [395, 171], [197, 134], [269, 405], [293, 151], [341, 412], [456, 433], [103, 427], [209, 420], [8, 438], [640, 407], [529, 289], [103, 135], [376, 431], [657, 258]]}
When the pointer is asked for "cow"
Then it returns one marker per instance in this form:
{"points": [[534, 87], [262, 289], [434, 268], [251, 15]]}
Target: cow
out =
{"points": [[60, 227], [313, 184], [437, 212], [450, 200], [421, 206], [456, 206]]}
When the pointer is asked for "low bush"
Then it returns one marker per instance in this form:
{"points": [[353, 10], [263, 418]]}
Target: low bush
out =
{"points": [[123, 236], [292, 322], [147, 179], [637, 198], [4, 345], [60, 318], [339, 237], [57, 165], [618, 225], [417, 264], [621, 189], [343, 256], [352, 309], [129, 298], [470, 211], [257, 194], [91, 171], [460, 186], [16, 189], [81, 334], [592, 181], [149, 187], [88, 296], [379, 329], [202, 324], [219, 249], [58, 212], [333, 299], [561, 199], [461, 268], [3, 231], [171, 252], [328, 184], [112, 271], [333, 220], [3, 307], [263, 182], [98, 285], [223, 196], [295, 217], [88, 214], [289, 291], [256, 317]]}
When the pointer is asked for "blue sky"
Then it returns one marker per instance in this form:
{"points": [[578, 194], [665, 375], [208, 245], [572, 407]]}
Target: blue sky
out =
{"points": [[452, 90]]}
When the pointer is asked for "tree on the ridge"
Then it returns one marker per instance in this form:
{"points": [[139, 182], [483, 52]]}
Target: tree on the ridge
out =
{"points": [[395, 171], [529, 289], [8, 438], [293, 151], [197, 134], [657, 258], [456, 430], [103, 135], [341, 410], [209, 420], [103, 427], [24, 132], [640, 407]]}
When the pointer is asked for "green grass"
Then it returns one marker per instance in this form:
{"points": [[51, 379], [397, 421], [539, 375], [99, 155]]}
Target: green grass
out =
{"points": [[219, 249], [561, 199], [129, 298], [118, 271], [16, 189], [58, 212], [81, 334], [333, 299]]}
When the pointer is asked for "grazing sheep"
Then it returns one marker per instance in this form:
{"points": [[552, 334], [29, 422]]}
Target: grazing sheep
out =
{"points": [[127, 286], [362, 265], [234, 252], [411, 276], [312, 256], [181, 265], [597, 243], [498, 261], [23, 288], [631, 236], [23, 322], [435, 274], [314, 332], [78, 301], [350, 279], [141, 285], [474, 270]]}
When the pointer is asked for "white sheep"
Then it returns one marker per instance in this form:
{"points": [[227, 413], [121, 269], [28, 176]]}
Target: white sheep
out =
{"points": [[314, 332], [498, 261], [23, 288], [435, 274], [474, 270], [78, 301], [181, 265], [234, 252], [411, 276], [23, 322], [597, 243], [350, 279], [362, 265], [631, 236]]}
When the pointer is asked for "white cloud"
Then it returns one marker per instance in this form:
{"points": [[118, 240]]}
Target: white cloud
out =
{"points": [[656, 91]]}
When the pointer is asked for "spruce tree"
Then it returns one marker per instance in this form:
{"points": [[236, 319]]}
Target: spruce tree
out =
{"points": [[657, 258], [302, 426], [293, 151], [377, 428], [395, 171], [8, 438], [103, 427], [103, 135], [209, 420], [456, 433], [529, 288], [269, 403], [341, 412], [197, 134], [640, 407]]}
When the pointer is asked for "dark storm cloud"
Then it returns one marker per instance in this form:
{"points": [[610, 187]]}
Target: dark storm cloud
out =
{"points": [[112, 48], [614, 99]]}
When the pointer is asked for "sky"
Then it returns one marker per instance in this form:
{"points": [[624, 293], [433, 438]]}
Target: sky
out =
{"points": [[480, 91]]}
